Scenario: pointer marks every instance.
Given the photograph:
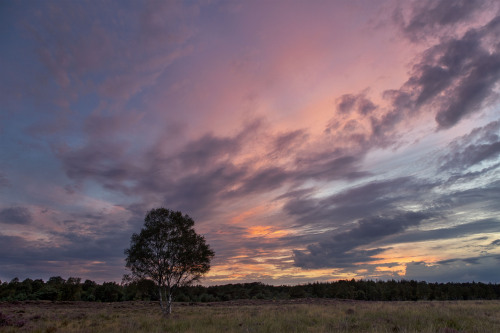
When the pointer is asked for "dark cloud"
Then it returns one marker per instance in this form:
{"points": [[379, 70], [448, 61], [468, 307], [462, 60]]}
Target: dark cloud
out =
{"points": [[202, 173], [15, 215], [329, 166], [443, 63], [458, 177], [383, 128], [377, 198], [479, 269], [286, 143], [261, 181], [206, 151], [199, 193], [343, 249], [473, 91], [496, 242], [191, 179], [453, 78], [85, 243], [103, 161], [428, 18], [382, 201], [461, 230], [345, 104], [350, 126], [486, 198], [99, 255], [481, 144], [457, 76], [349, 103]]}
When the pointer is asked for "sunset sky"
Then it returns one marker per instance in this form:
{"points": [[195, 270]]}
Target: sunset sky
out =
{"points": [[309, 140]]}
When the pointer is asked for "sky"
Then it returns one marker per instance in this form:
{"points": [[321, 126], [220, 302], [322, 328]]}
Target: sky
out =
{"points": [[309, 140]]}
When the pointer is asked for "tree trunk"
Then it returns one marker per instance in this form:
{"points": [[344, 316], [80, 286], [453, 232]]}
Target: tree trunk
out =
{"points": [[169, 303], [162, 302]]}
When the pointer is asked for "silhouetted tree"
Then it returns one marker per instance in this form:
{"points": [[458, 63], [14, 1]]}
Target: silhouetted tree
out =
{"points": [[169, 252]]}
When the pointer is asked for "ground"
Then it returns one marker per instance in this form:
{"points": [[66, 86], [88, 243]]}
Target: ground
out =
{"points": [[301, 315]]}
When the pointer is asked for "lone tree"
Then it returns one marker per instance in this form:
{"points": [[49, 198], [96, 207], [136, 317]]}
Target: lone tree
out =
{"points": [[169, 252]]}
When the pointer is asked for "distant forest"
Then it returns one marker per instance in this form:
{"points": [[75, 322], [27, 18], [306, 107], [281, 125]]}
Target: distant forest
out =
{"points": [[72, 289]]}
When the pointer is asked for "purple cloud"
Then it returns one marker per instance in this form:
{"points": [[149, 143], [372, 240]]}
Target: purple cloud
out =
{"points": [[15, 215]]}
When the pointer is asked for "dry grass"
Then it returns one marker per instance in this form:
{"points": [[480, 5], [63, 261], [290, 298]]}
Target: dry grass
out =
{"points": [[248, 316]]}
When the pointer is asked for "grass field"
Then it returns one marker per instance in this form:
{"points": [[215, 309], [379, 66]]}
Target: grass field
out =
{"points": [[303, 315]]}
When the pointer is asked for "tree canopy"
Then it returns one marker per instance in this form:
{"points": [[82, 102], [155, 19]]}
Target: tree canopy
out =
{"points": [[73, 289], [168, 251]]}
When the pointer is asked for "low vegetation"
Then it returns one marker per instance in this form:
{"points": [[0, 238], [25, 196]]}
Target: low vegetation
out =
{"points": [[296, 315]]}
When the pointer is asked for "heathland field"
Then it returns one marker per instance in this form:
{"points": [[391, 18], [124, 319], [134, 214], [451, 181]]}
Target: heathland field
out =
{"points": [[303, 315]]}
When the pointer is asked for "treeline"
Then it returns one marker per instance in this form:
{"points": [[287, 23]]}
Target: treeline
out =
{"points": [[72, 289]]}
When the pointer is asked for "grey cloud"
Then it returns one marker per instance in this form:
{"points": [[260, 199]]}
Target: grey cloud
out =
{"points": [[487, 196], [287, 142], [342, 250], [381, 201], [207, 150], [482, 144], [15, 215], [329, 166], [10, 246], [365, 106], [470, 176], [474, 154], [102, 160], [349, 129], [348, 103], [201, 173], [443, 63], [377, 227], [198, 193], [479, 269], [464, 70], [262, 180], [383, 127], [428, 17], [376, 191], [107, 163], [472, 92], [377, 198], [21, 257], [495, 243], [190, 179], [466, 229], [453, 79]]}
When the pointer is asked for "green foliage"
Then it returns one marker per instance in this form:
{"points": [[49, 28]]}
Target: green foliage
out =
{"points": [[168, 249], [109, 292], [169, 252], [146, 290]]}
